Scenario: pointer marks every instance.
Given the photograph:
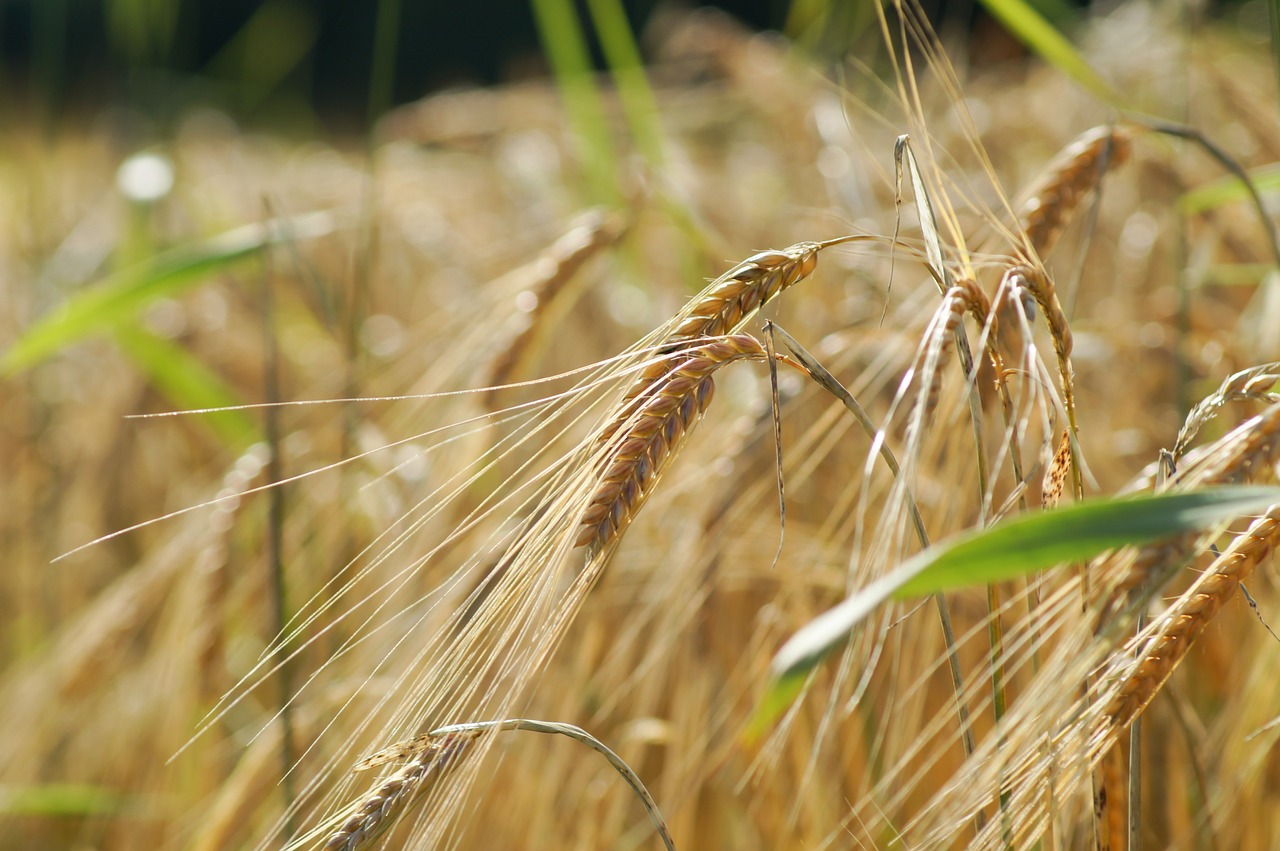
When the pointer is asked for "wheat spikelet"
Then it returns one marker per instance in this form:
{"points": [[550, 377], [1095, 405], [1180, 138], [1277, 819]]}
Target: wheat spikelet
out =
{"points": [[543, 279], [1254, 383], [1187, 618], [1254, 444], [1072, 175], [666, 403], [378, 809], [941, 332], [1036, 283], [744, 289]]}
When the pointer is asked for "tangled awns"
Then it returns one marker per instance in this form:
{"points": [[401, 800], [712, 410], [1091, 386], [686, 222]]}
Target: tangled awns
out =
{"points": [[466, 438]]}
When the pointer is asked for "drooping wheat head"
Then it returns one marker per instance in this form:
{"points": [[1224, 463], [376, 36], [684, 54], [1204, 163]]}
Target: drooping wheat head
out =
{"points": [[1255, 383], [377, 811], [1068, 179], [665, 405]]}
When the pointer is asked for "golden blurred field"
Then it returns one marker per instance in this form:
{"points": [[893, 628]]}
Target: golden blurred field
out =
{"points": [[140, 675]]}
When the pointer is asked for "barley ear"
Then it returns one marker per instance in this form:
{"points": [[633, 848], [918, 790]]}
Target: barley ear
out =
{"points": [[378, 811], [1073, 174], [646, 434]]}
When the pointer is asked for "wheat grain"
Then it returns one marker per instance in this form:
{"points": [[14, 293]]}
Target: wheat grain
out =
{"points": [[1072, 174], [376, 811], [653, 422], [744, 289], [1254, 384], [1189, 616]]}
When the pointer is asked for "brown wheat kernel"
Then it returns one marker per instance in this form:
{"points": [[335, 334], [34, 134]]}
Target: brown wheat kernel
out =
{"points": [[648, 432], [1072, 175], [746, 288]]}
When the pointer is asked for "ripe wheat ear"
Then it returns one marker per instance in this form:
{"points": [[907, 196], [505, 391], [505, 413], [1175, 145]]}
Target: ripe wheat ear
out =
{"points": [[648, 432]]}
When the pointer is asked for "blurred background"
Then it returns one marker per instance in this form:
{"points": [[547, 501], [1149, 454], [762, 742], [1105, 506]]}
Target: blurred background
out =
{"points": [[220, 204], [300, 64]]}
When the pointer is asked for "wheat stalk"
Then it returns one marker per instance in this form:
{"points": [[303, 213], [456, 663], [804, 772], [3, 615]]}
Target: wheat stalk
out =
{"points": [[655, 418]]}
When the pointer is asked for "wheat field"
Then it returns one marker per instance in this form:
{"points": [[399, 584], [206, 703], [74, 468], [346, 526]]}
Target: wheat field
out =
{"points": [[328, 446]]}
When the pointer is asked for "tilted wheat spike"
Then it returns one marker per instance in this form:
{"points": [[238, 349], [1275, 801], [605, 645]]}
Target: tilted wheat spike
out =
{"points": [[722, 308], [744, 289], [1254, 384], [650, 430], [378, 809], [1072, 175], [1188, 617], [1253, 445]]}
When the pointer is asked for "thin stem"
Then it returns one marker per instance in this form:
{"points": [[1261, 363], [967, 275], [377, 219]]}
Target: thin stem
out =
{"points": [[578, 735], [823, 377]]}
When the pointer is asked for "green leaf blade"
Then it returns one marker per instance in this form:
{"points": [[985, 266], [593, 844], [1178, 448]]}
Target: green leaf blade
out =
{"points": [[1040, 36], [60, 800], [1023, 545], [118, 297], [190, 385]]}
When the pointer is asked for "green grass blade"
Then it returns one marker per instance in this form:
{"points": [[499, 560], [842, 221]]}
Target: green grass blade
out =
{"points": [[117, 299], [1041, 37], [60, 799], [1226, 190], [1026, 544], [190, 385], [627, 68], [566, 48]]}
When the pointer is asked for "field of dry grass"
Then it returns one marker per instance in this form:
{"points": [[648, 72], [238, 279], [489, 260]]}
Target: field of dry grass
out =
{"points": [[418, 566]]}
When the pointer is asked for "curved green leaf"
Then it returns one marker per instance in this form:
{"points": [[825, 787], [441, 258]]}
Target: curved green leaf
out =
{"points": [[60, 799], [1022, 545], [1040, 36], [119, 296], [190, 385]]}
